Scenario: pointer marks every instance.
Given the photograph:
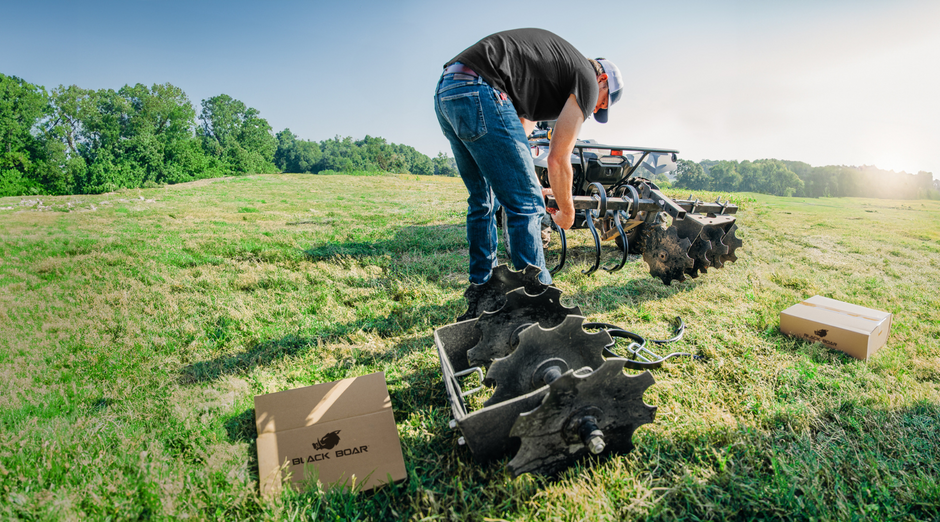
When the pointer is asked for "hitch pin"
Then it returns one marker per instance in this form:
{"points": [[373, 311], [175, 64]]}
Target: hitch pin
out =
{"points": [[637, 350]]}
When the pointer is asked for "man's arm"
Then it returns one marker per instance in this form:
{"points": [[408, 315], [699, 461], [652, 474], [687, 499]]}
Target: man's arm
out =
{"points": [[528, 125], [560, 173]]}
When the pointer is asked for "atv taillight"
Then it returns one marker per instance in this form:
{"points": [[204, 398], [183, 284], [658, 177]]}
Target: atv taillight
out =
{"points": [[616, 153]]}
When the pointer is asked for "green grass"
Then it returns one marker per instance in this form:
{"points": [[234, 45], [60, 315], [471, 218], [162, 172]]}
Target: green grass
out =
{"points": [[136, 328]]}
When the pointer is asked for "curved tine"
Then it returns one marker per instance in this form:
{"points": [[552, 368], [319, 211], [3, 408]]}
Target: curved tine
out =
{"points": [[564, 248], [635, 209], [589, 219], [626, 244], [601, 196], [677, 333]]}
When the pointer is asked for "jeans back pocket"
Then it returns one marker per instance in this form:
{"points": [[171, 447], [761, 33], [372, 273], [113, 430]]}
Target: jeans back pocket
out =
{"points": [[464, 112]]}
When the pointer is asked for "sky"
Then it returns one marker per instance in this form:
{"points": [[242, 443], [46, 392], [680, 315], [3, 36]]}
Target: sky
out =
{"points": [[827, 82]]}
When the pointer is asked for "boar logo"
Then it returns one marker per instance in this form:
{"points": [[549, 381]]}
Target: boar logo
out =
{"points": [[327, 441], [821, 333]]}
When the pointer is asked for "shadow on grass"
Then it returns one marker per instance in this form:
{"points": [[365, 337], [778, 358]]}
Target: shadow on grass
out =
{"points": [[416, 391], [431, 238], [267, 352], [403, 321], [241, 428], [873, 462]]}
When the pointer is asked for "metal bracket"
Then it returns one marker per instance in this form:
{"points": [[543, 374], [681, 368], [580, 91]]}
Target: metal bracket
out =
{"points": [[468, 371]]}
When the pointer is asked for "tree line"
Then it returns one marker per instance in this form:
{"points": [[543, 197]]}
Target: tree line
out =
{"points": [[795, 178], [71, 140], [347, 155]]}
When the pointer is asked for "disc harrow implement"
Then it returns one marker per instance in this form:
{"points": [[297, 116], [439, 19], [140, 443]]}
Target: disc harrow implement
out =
{"points": [[552, 385], [677, 238]]}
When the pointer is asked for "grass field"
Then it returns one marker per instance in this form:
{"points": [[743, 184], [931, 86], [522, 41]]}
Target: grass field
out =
{"points": [[136, 328]]}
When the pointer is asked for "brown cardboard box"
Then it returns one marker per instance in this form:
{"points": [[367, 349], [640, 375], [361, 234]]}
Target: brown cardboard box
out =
{"points": [[855, 330], [341, 432]]}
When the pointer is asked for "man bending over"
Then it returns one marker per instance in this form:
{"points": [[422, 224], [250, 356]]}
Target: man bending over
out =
{"points": [[487, 102]]}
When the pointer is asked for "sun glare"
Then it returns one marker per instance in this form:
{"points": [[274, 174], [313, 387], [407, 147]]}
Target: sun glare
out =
{"points": [[897, 161]]}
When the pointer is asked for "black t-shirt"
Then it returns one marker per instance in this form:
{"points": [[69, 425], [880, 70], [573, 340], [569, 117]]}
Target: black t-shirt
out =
{"points": [[536, 68]]}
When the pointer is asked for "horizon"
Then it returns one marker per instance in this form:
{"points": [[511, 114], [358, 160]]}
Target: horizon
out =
{"points": [[830, 83]]}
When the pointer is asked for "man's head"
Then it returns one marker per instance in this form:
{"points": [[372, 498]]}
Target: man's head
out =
{"points": [[610, 87]]}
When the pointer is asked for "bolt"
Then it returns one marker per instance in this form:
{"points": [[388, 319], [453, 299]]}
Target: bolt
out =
{"points": [[461, 441], [591, 435], [452, 423], [596, 444], [551, 375]]}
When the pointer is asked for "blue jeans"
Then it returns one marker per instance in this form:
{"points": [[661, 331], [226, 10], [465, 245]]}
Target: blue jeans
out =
{"points": [[493, 157]]}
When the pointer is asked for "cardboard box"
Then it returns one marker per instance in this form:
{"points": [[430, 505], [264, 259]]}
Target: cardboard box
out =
{"points": [[855, 330], [341, 433]]}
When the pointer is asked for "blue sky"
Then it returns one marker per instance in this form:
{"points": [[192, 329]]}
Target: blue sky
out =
{"points": [[825, 82]]}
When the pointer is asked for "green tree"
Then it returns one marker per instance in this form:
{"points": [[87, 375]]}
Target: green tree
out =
{"points": [[779, 180], [158, 122], [378, 154], [102, 116], [22, 107], [724, 176], [925, 185], [691, 175], [419, 163], [295, 155], [236, 135], [752, 176], [444, 165], [65, 123], [662, 180], [62, 134], [342, 155], [286, 143], [135, 136]]}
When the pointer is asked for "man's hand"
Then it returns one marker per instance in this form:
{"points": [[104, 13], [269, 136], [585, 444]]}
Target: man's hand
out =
{"points": [[564, 220]]}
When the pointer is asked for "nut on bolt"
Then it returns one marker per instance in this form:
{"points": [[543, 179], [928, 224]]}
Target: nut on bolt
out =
{"points": [[596, 444], [591, 436]]}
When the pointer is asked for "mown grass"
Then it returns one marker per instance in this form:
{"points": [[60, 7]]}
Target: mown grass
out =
{"points": [[137, 327]]}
